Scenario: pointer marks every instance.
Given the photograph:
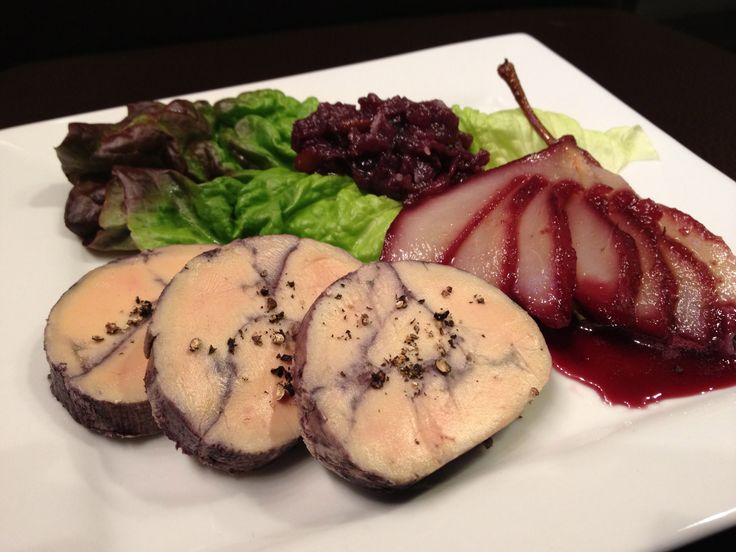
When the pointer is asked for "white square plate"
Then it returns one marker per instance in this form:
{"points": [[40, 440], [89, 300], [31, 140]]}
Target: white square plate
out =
{"points": [[573, 473]]}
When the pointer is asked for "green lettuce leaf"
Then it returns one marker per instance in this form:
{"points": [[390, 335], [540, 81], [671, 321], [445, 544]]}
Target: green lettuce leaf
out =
{"points": [[508, 136], [256, 126], [165, 207]]}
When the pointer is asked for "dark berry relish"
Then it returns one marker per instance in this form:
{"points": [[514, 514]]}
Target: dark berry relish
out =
{"points": [[392, 147]]}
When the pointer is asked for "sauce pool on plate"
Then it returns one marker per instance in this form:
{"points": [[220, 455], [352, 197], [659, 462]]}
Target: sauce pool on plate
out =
{"points": [[626, 372]]}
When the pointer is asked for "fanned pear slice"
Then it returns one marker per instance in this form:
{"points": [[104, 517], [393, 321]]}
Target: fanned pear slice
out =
{"points": [[402, 367], [94, 340], [652, 305], [220, 347], [478, 227], [607, 272], [544, 275]]}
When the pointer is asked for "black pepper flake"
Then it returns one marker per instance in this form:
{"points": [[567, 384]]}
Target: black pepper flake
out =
{"points": [[421, 301], [271, 304], [338, 296], [342, 373], [289, 388], [364, 320], [263, 273], [413, 371], [401, 302], [264, 292], [285, 357], [479, 299], [111, 328], [212, 350], [447, 291], [257, 339], [231, 345], [278, 371], [276, 317], [290, 284], [378, 379], [144, 309], [441, 315], [97, 338]]}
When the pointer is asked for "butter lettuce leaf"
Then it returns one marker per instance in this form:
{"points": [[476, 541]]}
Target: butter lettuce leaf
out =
{"points": [[165, 207], [508, 135], [255, 127]]}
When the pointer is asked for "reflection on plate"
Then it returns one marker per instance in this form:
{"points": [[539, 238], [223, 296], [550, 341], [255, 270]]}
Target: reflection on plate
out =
{"points": [[573, 473]]}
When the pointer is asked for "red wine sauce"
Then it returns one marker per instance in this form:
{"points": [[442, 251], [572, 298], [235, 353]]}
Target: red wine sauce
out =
{"points": [[626, 372]]}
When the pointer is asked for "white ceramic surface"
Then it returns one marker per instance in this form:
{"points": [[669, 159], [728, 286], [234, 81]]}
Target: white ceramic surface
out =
{"points": [[572, 474]]}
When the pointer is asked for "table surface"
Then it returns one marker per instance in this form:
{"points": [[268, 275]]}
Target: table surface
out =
{"points": [[683, 85]]}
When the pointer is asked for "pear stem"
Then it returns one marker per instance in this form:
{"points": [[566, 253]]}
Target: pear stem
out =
{"points": [[508, 74]]}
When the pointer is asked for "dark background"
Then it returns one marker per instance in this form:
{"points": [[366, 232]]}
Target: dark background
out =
{"points": [[661, 57], [45, 30]]}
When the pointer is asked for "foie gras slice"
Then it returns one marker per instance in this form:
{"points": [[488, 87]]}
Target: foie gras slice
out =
{"points": [[404, 366], [221, 347], [94, 340]]}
